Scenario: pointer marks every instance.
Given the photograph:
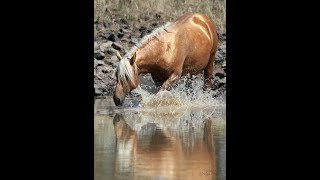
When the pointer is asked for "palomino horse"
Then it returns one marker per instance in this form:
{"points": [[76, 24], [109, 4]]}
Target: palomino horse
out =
{"points": [[153, 153], [186, 46]]}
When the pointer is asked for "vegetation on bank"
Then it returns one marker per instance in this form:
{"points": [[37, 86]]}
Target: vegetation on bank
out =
{"points": [[169, 10]]}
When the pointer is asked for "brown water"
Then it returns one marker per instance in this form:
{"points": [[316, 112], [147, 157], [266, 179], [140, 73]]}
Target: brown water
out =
{"points": [[169, 142]]}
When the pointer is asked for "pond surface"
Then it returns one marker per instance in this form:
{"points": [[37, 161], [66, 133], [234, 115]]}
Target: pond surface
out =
{"points": [[169, 142]]}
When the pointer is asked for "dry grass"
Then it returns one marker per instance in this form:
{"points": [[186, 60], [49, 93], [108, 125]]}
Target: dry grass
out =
{"points": [[168, 9]]}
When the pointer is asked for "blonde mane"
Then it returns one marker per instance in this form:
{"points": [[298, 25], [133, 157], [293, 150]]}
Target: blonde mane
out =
{"points": [[147, 38], [124, 71]]}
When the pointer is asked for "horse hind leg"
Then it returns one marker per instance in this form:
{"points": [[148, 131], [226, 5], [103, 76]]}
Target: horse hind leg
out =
{"points": [[208, 74], [188, 84]]}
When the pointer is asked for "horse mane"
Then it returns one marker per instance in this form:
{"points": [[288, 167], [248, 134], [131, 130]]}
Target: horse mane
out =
{"points": [[146, 39], [124, 71]]}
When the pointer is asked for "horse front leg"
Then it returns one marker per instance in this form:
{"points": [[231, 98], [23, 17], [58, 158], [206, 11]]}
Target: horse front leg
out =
{"points": [[167, 85]]}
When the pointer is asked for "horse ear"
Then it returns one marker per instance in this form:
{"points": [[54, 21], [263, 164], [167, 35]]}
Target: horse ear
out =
{"points": [[133, 58], [118, 55]]}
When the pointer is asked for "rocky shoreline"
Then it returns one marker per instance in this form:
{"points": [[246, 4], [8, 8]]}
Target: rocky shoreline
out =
{"points": [[120, 35]]}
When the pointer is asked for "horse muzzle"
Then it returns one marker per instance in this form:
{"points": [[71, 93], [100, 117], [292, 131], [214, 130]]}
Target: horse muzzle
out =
{"points": [[118, 101]]}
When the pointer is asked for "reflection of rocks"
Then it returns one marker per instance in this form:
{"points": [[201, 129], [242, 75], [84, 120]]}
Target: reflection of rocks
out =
{"points": [[121, 35]]}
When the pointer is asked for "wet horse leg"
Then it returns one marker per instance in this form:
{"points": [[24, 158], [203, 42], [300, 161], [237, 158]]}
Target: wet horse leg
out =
{"points": [[167, 85], [175, 75], [208, 74]]}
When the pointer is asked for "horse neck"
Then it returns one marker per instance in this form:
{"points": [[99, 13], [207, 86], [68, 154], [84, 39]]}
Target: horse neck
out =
{"points": [[148, 55]]}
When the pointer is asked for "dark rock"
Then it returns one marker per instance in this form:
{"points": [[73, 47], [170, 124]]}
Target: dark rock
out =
{"points": [[117, 46], [221, 53], [100, 63], [222, 36], [107, 69], [111, 51], [105, 25], [123, 21], [125, 40], [158, 16], [112, 63], [99, 55], [142, 28], [154, 24], [115, 65], [102, 35], [222, 81], [125, 31], [220, 75], [218, 83], [112, 38], [143, 33], [134, 41], [120, 35], [146, 17], [125, 26]]}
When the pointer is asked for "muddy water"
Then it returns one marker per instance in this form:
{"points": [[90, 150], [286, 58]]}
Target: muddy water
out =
{"points": [[166, 142]]}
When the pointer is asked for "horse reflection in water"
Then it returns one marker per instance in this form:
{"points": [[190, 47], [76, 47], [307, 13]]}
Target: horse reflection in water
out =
{"points": [[154, 152]]}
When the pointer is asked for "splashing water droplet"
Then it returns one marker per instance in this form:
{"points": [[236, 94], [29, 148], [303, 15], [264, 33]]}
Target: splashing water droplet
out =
{"points": [[187, 92]]}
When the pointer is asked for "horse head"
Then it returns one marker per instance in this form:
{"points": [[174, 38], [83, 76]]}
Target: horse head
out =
{"points": [[127, 78]]}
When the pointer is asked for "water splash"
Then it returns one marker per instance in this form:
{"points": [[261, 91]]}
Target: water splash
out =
{"points": [[174, 118], [188, 91]]}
